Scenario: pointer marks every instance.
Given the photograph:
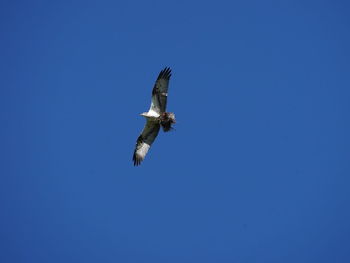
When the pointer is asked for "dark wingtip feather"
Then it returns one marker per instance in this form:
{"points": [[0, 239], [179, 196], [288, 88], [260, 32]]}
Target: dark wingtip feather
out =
{"points": [[165, 73], [137, 160]]}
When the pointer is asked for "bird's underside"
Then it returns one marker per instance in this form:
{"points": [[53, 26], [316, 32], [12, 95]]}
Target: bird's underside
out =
{"points": [[156, 117]]}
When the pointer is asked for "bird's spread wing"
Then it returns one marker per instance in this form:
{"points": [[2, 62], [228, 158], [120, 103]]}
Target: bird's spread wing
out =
{"points": [[160, 91], [145, 140]]}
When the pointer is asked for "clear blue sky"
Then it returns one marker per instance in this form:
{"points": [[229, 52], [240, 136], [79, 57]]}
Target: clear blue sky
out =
{"points": [[256, 171]]}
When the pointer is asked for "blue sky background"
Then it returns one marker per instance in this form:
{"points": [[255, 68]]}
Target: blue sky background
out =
{"points": [[256, 171]]}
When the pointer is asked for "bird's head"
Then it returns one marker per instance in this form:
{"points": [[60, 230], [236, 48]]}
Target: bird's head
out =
{"points": [[171, 116]]}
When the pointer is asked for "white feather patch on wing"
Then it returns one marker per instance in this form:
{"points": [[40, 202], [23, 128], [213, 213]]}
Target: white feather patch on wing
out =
{"points": [[142, 150]]}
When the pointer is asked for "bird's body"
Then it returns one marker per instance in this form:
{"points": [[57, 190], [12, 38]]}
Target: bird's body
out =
{"points": [[156, 117]]}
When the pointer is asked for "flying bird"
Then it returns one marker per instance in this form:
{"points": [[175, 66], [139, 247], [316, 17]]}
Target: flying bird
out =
{"points": [[156, 117]]}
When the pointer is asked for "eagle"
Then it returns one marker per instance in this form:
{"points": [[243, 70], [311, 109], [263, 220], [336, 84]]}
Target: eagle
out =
{"points": [[156, 117]]}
